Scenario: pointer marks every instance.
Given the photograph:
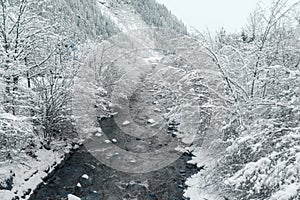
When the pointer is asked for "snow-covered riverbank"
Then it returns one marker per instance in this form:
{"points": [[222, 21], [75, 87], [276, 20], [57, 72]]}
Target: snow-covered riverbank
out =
{"points": [[19, 177]]}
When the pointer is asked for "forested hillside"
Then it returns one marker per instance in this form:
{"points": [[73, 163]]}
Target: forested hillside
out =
{"points": [[79, 19], [154, 14], [158, 15]]}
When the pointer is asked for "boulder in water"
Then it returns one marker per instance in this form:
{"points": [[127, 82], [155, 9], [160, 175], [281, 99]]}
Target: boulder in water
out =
{"points": [[73, 197], [125, 123]]}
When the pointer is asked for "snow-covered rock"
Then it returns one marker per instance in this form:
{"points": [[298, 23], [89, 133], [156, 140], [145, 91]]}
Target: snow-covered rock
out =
{"points": [[85, 176], [78, 185], [125, 123], [98, 134], [114, 140], [157, 110], [107, 141], [151, 121], [93, 130], [155, 102], [73, 197]]}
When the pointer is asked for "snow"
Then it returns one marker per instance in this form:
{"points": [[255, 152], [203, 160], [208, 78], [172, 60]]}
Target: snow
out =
{"points": [[125, 123], [98, 134], [107, 141], [198, 187], [112, 16], [201, 186], [93, 130], [249, 170], [157, 110], [297, 158], [85, 176], [151, 121], [289, 192], [73, 197], [32, 170], [197, 194]]}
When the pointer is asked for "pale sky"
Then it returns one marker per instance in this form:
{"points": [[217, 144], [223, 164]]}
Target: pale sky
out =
{"points": [[213, 14]]}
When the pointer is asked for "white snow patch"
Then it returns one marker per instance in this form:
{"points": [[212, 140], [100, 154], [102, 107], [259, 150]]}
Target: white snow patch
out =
{"points": [[85, 176], [93, 130], [125, 123], [151, 121], [194, 193], [297, 156], [73, 197], [157, 110], [33, 170], [289, 192], [98, 134]]}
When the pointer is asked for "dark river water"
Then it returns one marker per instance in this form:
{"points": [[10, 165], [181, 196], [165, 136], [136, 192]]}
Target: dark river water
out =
{"points": [[109, 184]]}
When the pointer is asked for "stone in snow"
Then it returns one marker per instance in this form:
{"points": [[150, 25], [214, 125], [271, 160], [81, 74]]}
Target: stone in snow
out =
{"points": [[107, 141], [157, 110], [73, 197], [98, 135], [155, 102], [151, 121], [114, 140], [125, 123], [85, 176]]}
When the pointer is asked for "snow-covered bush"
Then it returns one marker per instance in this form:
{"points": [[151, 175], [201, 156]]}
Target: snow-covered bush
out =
{"points": [[263, 160], [15, 133], [16, 130]]}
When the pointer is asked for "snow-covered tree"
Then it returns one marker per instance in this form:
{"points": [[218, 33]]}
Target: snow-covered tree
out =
{"points": [[25, 36], [260, 68]]}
